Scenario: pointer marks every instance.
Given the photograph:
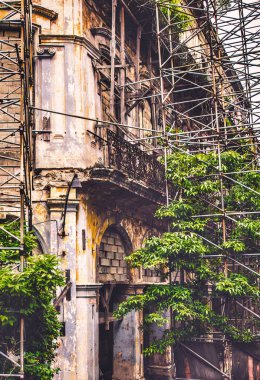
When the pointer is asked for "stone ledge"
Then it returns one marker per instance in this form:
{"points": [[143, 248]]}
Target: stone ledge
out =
{"points": [[58, 39], [121, 180], [37, 9], [88, 290], [162, 372], [57, 204]]}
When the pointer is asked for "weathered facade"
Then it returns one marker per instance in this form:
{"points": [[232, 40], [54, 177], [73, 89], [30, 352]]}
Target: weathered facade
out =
{"points": [[112, 213], [99, 120]]}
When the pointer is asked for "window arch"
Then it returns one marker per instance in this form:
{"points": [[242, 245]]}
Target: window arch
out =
{"points": [[114, 246], [41, 247]]}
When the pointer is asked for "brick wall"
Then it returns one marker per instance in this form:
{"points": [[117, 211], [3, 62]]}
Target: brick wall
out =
{"points": [[112, 266]]}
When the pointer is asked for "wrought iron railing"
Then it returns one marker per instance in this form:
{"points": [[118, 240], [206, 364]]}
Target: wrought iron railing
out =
{"points": [[131, 160]]}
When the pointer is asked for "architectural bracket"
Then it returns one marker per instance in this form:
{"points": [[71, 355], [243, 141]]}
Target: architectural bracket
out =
{"points": [[46, 52]]}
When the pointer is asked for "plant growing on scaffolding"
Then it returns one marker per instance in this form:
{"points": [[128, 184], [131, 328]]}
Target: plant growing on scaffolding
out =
{"points": [[175, 12], [28, 294], [213, 226]]}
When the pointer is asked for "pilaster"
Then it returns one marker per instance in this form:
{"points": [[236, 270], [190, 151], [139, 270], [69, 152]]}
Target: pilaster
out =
{"points": [[87, 332], [128, 339], [66, 248]]}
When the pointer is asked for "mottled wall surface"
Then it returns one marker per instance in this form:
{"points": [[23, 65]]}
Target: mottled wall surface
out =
{"points": [[105, 220], [92, 233], [112, 214], [70, 82]]}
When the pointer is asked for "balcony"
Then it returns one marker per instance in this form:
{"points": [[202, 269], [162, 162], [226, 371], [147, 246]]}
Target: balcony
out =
{"points": [[136, 164], [128, 177]]}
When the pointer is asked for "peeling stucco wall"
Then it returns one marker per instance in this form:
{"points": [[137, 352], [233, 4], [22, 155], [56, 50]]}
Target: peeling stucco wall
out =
{"points": [[79, 252], [68, 82]]}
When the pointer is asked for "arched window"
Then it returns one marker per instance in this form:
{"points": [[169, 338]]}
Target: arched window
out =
{"points": [[112, 264]]}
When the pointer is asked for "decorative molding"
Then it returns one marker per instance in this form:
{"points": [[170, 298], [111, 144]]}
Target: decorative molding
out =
{"points": [[88, 290], [45, 12], [60, 39], [46, 52], [57, 204], [37, 9]]}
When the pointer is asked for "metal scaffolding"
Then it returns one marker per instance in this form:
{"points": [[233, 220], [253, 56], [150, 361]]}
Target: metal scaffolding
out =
{"points": [[207, 90], [204, 93], [210, 93], [16, 83]]}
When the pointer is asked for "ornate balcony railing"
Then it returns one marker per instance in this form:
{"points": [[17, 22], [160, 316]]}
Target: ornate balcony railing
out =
{"points": [[137, 164]]}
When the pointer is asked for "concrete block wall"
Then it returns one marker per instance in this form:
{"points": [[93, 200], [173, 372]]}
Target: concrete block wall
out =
{"points": [[112, 265]]}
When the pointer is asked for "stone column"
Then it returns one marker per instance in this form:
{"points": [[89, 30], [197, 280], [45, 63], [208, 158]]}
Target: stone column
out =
{"points": [[87, 296], [66, 248], [128, 341], [87, 332], [160, 366]]}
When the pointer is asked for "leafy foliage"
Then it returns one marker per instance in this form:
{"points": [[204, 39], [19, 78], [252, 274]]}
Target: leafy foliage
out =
{"points": [[13, 228], [178, 15], [197, 230], [28, 294]]}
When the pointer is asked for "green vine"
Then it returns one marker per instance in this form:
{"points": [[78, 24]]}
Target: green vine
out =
{"points": [[178, 15], [28, 294], [192, 235]]}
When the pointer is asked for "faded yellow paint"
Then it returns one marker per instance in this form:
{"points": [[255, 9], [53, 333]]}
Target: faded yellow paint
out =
{"points": [[61, 192], [96, 224], [41, 211]]}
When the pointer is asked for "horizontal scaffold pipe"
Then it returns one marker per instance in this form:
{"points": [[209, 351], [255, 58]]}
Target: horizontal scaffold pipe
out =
{"points": [[93, 119]]}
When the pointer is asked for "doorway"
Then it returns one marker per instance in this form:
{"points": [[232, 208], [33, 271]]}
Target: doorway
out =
{"points": [[105, 352]]}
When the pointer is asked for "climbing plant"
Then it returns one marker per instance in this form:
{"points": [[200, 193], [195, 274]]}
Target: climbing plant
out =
{"points": [[195, 251], [28, 294], [177, 14], [176, 10]]}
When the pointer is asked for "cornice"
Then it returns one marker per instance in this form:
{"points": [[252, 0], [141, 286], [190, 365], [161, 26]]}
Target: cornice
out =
{"points": [[58, 39], [92, 286], [45, 12], [37, 9], [57, 204], [88, 290]]}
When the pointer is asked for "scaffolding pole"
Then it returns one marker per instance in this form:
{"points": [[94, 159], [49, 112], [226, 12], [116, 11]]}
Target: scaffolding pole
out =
{"points": [[16, 78]]}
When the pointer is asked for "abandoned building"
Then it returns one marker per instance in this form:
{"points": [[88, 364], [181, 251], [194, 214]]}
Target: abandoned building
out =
{"points": [[100, 100]]}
